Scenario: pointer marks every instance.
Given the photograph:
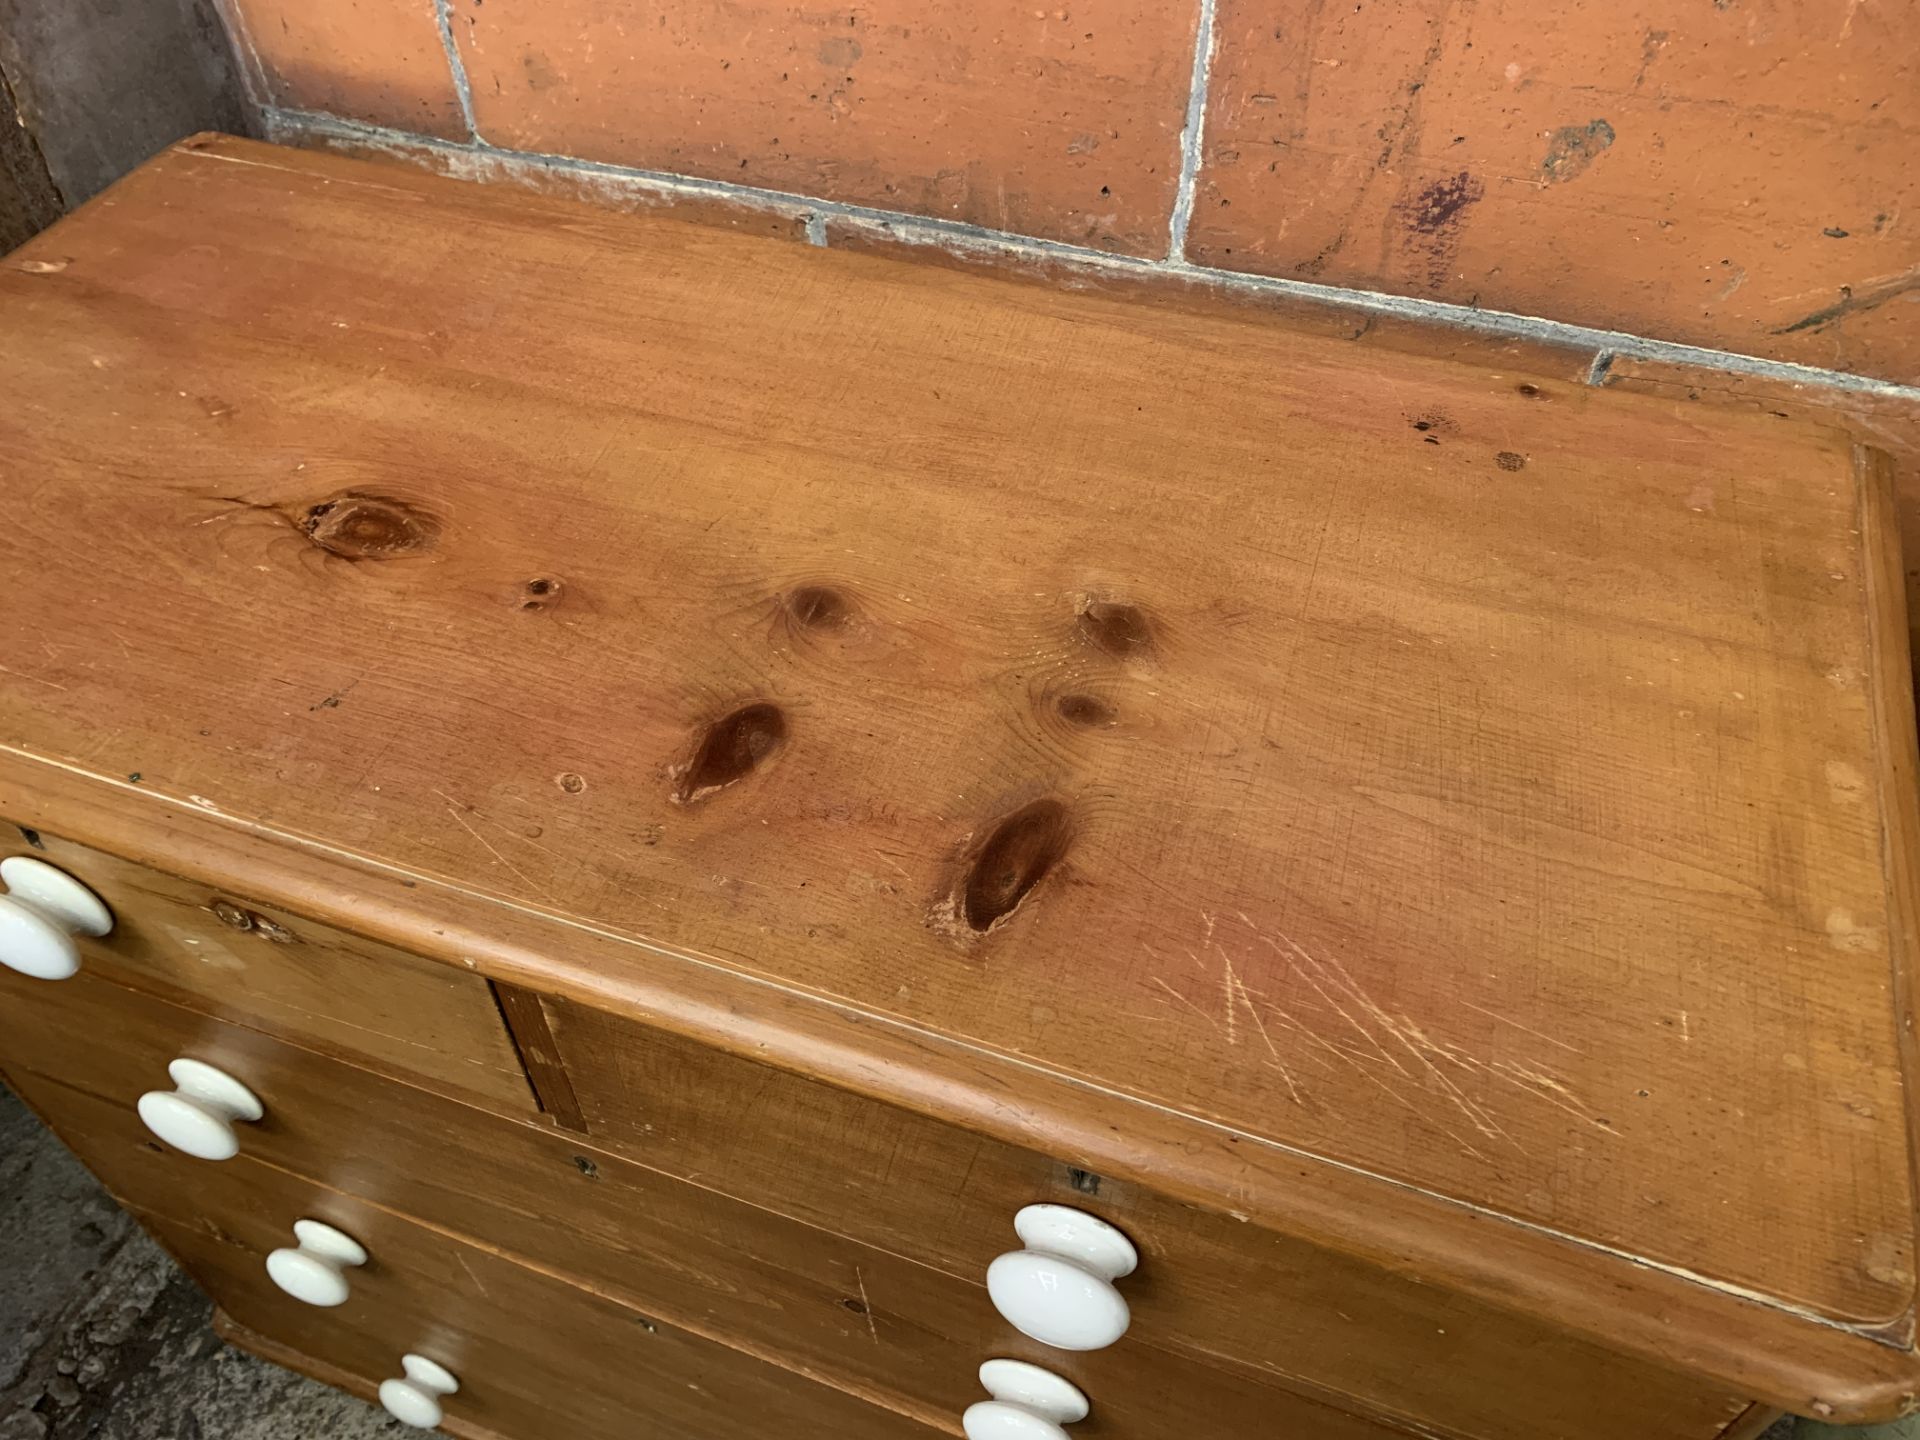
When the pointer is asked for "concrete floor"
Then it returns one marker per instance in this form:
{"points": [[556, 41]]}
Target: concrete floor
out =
{"points": [[102, 1338]]}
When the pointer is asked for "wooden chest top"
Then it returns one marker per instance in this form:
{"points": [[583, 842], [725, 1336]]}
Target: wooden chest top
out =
{"points": [[1470, 780]]}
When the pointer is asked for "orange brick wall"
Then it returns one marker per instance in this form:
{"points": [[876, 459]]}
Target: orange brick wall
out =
{"points": [[1743, 174], [1736, 174]]}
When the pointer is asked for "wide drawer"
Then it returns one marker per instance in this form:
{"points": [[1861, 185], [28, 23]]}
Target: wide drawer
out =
{"points": [[254, 964], [856, 1316], [536, 1357], [1208, 1285]]}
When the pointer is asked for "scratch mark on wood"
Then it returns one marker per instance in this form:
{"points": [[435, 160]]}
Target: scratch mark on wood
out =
{"points": [[866, 1305], [1186, 1002], [1230, 1000], [1469, 1005], [1341, 1010], [459, 819], [1533, 1082], [1401, 1029], [1306, 1032], [1420, 1048], [1238, 994], [38, 680], [472, 1275]]}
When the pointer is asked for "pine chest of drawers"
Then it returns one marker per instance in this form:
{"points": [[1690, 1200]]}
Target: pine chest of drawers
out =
{"points": [[618, 829]]}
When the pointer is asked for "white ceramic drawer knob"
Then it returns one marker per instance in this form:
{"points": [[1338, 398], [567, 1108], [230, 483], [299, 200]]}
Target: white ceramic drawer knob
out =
{"points": [[1059, 1290], [416, 1399], [1028, 1404], [198, 1114], [41, 912], [316, 1271]]}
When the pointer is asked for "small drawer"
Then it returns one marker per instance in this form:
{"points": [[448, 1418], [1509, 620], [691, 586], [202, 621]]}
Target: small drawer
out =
{"points": [[1208, 1286], [850, 1314], [228, 956]]}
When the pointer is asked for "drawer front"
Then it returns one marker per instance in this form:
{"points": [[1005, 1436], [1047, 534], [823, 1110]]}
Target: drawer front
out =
{"points": [[1208, 1285], [536, 1357], [857, 1316], [231, 957]]}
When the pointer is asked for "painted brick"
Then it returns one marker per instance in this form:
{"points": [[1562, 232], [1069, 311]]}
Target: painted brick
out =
{"points": [[1058, 120], [381, 61], [1731, 173]]}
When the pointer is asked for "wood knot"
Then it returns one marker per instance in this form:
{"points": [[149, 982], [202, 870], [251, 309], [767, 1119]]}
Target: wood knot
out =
{"points": [[230, 914], [732, 748], [359, 525], [1122, 631], [819, 607], [1018, 855], [251, 921], [1089, 712]]}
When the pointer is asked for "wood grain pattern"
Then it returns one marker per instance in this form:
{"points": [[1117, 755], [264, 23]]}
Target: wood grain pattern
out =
{"points": [[535, 1354], [859, 1315], [285, 1356], [253, 963], [1890, 424], [536, 1357], [1661, 1319], [1514, 841], [533, 1041], [1209, 1286], [919, 1344]]}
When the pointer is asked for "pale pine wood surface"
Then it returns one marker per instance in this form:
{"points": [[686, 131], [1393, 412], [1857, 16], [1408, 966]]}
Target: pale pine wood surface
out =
{"points": [[844, 1313], [228, 955], [537, 1357], [1209, 1284], [1514, 833]]}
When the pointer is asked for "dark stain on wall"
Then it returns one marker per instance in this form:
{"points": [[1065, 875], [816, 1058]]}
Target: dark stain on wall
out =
{"points": [[1430, 221]]}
